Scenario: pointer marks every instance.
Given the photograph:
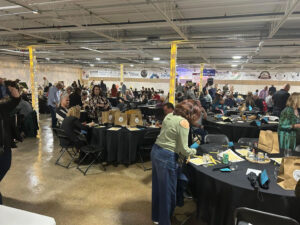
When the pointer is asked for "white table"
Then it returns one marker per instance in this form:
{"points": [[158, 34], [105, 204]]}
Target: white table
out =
{"points": [[12, 216]]}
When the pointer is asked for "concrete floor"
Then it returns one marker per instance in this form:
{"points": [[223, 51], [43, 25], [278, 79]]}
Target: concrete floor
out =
{"points": [[119, 196]]}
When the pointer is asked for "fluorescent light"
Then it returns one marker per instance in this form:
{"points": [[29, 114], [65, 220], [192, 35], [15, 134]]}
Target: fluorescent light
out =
{"points": [[92, 65], [237, 57], [98, 59], [90, 49], [131, 65], [35, 12], [10, 7], [156, 58], [48, 59], [14, 51], [234, 65]]}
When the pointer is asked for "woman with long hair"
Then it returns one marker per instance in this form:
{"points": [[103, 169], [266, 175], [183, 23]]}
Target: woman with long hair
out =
{"points": [[171, 143], [114, 91], [97, 103]]}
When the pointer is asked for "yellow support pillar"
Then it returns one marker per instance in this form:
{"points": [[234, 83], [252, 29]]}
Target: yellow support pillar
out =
{"points": [[201, 77], [34, 93], [121, 73], [173, 72]]}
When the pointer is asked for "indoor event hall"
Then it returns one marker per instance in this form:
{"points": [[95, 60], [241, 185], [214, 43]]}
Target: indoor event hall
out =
{"points": [[143, 112]]}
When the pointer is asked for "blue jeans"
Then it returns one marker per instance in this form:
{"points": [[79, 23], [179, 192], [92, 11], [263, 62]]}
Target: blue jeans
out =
{"points": [[164, 182], [53, 115]]}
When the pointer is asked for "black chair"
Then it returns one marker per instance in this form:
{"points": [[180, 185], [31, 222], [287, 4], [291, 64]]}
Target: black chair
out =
{"points": [[146, 145], [91, 152], [246, 141], [245, 216], [67, 146], [216, 138]]}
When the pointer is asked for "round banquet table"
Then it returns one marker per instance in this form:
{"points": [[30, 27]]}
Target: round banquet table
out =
{"points": [[234, 131], [120, 146], [219, 194]]}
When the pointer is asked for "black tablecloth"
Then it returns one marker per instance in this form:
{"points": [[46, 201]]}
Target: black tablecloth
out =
{"points": [[234, 131], [219, 194], [120, 145]]}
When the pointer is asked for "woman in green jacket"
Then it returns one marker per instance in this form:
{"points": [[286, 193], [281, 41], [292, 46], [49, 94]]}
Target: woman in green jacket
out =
{"points": [[288, 123], [171, 142]]}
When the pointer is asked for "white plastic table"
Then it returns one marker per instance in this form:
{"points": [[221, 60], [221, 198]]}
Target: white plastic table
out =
{"points": [[12, 216]]}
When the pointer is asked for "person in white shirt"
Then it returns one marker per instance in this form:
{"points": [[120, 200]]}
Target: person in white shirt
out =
{"points": [[269, 101], [46, 82]]}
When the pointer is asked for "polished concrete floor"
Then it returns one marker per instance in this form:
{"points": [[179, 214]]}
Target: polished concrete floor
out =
{"points": [[119, 196]]}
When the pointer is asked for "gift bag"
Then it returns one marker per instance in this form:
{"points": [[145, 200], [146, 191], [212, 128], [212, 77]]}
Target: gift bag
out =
{"points": [[108, 117], [289, 173], [120, 118], [136, 119], [268, 142]]}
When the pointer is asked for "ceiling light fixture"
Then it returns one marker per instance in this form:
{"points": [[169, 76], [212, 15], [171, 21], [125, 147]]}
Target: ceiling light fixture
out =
{"points": [[234, 65], [35, 12], [131, 65], [92, 65], [98, 59], [156, 58], [48, 59], [90, 49], [237, 57]]}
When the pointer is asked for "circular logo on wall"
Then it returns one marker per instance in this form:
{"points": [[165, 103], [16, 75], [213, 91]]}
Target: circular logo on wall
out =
{"points": [[264, 75], [144, 73]]}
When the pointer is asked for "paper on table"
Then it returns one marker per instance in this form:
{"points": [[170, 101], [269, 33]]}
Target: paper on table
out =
{"points": [[242, 152], [221, 122], [133, 128], [275, 122], [99, 126], [232, 156], [114, 128], [278, 160], [257, 172], [199, 161]]}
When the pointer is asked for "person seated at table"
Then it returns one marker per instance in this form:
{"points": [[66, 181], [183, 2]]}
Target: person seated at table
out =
{"points": [[260, 103], [73, 127], [171, 144], [144, 98], [229, 100], [75, 98], [250, 100], [97, 103], [207, 97], [121, 102], [218, 104], [136, 93], [84, 99], [114, 91], [128, 97], [199, 128], [289, 123], [62, 110], [156, 96]]}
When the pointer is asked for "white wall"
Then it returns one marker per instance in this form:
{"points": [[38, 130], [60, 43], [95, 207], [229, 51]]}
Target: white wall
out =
{"points": [[17, 70]]}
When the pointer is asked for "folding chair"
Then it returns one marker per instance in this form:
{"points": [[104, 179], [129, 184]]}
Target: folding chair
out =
{"points": [[90, 151], [216, 138], [246, 216], [66, 146], [148, 141]]}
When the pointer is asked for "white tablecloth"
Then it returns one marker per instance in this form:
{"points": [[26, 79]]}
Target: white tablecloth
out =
{"points": [[12, 216]]}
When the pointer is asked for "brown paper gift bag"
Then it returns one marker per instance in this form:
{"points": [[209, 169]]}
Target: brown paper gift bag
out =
{"points": [[120, 118], [268, 142], [108, 117], [289, 173], [136, 119]]}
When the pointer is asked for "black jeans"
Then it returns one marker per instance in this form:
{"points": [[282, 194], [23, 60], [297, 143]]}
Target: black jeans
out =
{"points": [[53, 115]]}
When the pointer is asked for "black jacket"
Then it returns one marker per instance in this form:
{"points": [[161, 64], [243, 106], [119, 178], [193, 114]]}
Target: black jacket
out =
{"points": [[280, 98], [7, 105], [72, 127]]}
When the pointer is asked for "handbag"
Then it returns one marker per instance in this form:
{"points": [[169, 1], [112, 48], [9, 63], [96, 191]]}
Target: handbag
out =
{"points": [[268, 142], [289, 173]]}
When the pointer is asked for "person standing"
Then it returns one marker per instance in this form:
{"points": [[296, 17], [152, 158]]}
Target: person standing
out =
{"points": [[272, 89], [171, 143], [123, 88], [269, 101], [75, 98], [263, 93], [289, 123], [53, 102], [279, 99], [7, 105], [103, 87], [46, 82]]}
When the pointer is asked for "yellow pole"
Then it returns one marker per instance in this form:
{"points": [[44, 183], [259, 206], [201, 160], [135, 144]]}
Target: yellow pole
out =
{"points": [[121, 73], [35, 99], [173, 72], [201, 77]]}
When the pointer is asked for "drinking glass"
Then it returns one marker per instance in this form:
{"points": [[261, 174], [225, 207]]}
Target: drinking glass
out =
{"points": [[276, 171]]}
